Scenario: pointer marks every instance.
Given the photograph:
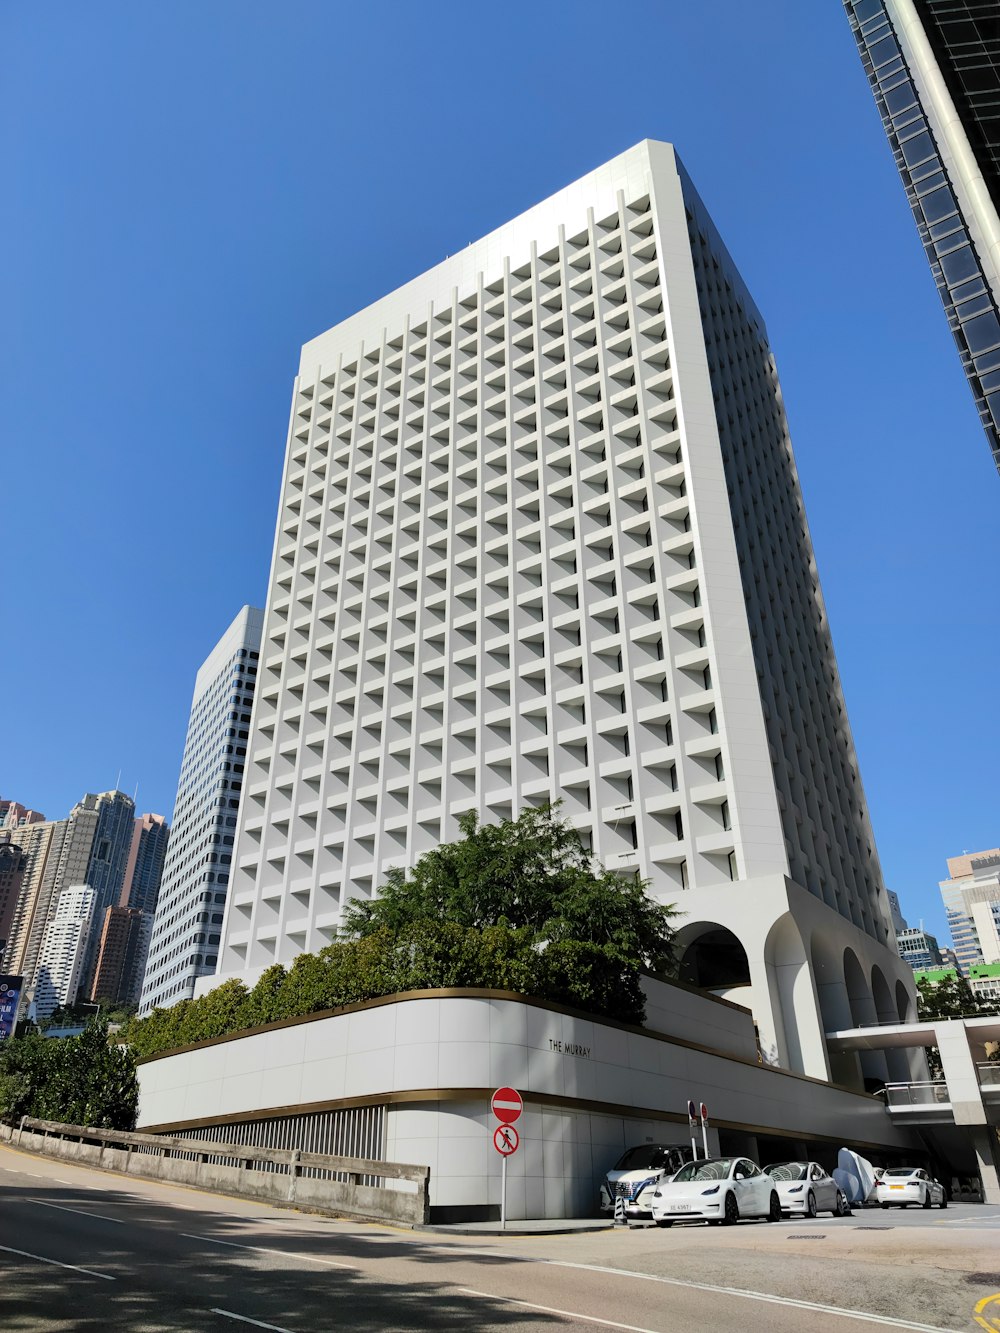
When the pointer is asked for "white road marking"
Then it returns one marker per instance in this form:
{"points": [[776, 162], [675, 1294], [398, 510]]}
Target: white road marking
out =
{"points": [[75, 1268], [815, 1306], [245, 1319], [79, 1212], [550, 1309], [264, 1249]]}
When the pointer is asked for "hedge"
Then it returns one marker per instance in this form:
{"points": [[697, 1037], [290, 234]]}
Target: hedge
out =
{"points": [[427, 956]]}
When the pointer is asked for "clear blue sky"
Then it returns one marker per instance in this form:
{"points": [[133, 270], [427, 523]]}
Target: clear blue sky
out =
{"points": [[193, 190]]}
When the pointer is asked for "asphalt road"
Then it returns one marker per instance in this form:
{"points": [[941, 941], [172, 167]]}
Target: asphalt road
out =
{"points": [[87, 1250]]}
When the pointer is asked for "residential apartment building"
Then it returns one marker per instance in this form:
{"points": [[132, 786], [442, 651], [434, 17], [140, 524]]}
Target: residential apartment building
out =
{"points": [[541, 538], [144, 869], [971, 897], [934, 68], [12, 866], [188, 921], [13, 815], [121, 956], [59, 971]]}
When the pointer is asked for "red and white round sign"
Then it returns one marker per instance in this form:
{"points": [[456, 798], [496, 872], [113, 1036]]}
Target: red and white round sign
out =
{"points": [[505, 1140], [507, 1105]]}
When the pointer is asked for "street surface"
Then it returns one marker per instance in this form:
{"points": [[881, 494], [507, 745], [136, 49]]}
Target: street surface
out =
{"points": [[83, 1249]]}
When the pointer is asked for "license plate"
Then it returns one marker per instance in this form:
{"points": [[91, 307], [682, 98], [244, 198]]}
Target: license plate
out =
{"points": [[678, 1208], [897, 1187]]}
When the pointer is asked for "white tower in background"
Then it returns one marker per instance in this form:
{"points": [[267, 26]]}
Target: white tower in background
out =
{"points": [[541, 538], [64, 946]]}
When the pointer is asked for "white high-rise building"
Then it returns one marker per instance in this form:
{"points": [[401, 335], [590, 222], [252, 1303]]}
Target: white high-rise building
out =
{"points": [[541, 538], [64, 946], [192, 896]]}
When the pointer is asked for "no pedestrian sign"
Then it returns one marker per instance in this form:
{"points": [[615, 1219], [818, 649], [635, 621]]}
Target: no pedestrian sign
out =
{"points": [[505, 1140], [507, 1105]]}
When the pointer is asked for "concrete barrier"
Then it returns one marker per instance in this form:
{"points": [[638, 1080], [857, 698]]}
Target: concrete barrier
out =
{"points": [[349, 1186]]}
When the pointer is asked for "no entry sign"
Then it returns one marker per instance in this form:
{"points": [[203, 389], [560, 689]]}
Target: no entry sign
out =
{"points": [[507, 1105], [505, 1140]]}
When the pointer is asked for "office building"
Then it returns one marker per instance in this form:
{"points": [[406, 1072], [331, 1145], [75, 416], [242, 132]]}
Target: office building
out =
{"points": [[144, 869], [541, 538], [971, 898], [934, 68], [61, 957], [109, 857], [189, 911], [984, 982], [121, 956], [918, 947]]}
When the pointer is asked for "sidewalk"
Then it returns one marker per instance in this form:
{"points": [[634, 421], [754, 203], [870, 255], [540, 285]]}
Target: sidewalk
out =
{"points": [[542, 1226]]}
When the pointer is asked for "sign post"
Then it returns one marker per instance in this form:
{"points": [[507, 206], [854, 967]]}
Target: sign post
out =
{"points": [[506, 1104], [692, 1122], [704, 1128]]}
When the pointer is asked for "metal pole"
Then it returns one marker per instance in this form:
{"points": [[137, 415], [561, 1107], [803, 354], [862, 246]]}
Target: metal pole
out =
{"points": [[704, 1138], [503, 1194], [694, 1146]]}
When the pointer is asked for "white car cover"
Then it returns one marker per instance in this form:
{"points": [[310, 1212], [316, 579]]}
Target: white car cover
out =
{"points": [[855, 1176]]}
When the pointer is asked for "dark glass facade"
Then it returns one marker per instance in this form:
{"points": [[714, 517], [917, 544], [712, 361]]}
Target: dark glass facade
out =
{"points": [[968, 31]]}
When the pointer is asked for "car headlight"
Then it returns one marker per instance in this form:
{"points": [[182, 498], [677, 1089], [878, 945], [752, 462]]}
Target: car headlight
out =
{"points": [[644, 1185], [713, 1190], [796, 1189]]}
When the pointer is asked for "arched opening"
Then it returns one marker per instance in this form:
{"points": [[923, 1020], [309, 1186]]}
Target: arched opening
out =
{"points": [[712, 958], [835, 1009], [896, 1061], [864, 1014], [906, 1010]]}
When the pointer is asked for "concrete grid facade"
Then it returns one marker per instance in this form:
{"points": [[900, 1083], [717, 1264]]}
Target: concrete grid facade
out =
{"points": [[541, 538], [184, 943]]}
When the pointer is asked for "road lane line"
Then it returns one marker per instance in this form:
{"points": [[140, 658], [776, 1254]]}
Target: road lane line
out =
{"points": [[264, 1249], [816, 1307], [566, 1314], [74, 1268], [101, 1217], [245, 1319]]}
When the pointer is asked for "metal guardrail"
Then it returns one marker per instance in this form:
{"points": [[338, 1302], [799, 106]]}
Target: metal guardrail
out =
{"points": [[989, 1075], [932, 1093], [310, 1174]]}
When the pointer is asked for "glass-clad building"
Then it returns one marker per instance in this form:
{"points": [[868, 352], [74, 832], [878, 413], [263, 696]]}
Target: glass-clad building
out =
{"points": [[934, 67]]}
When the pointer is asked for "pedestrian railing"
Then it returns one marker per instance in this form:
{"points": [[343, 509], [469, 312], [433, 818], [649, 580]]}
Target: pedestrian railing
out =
{"points": [[388, 1191], [932, 1093]]}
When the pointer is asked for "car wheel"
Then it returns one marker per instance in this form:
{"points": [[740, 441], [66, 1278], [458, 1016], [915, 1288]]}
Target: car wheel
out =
{"points": [[927, 1199], [731, 1211], [843, 1208], [663, 1222], [810, 1204], [774, 1212], [944, 1200]]}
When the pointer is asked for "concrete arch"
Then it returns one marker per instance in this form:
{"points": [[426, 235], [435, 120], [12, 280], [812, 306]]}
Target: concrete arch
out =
{"points": [[897, 1061], [834, 1007], [874, 1068], [798, 1032], [906, 1010]]}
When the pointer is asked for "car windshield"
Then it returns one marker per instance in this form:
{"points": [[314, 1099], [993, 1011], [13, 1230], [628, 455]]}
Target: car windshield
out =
{"points": [[787, 1170], [901, 1171], [647, 1157], [716, 1169]]}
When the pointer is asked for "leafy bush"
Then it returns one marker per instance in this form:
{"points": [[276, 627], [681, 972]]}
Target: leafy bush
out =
{"points": [[77, 1080]]}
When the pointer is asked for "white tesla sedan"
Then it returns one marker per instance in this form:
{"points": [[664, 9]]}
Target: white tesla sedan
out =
{"points": [[804, 1187], [720, 1189], [903, 1185]]}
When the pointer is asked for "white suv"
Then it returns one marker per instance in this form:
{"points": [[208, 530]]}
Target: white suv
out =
{"points": [[637, 1173]]}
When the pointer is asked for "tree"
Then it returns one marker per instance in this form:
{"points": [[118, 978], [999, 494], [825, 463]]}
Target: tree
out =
{"points": [[531, 873], [76, 1080], [951, 997]]}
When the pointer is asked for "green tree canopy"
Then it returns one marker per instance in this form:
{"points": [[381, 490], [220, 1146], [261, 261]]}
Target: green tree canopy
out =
{"points": [[77, 1080], [531, 873], [952, 997]]}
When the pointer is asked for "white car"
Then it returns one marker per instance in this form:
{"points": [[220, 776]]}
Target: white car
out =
{"points": [[804, 1187], [903, 1185], [636, 1173], [720, 1189]]}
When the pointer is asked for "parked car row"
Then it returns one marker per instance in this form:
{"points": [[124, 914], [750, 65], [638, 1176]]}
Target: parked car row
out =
{"points": [[664, 1183]]}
